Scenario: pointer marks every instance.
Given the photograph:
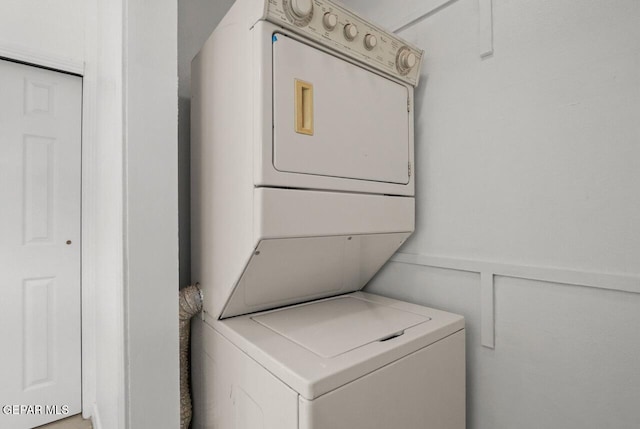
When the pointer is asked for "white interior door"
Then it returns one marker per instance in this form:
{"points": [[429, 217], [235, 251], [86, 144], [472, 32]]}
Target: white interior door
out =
{"points": [[332, 118], [40, 135]]}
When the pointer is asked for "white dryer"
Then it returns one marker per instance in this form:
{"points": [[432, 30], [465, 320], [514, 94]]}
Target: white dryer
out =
{"points": [[302, 188]]}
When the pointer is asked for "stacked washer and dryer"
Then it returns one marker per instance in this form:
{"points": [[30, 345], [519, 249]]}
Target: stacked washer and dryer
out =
{"points": [[302, 188]]}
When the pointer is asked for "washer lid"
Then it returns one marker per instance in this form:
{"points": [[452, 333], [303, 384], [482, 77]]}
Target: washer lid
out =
{"points": [[336, 326], [319, 346]]}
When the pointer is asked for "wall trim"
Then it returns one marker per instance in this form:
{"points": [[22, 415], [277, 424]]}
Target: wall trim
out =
{"points": [[40, 58], [426, 8], [610, 281], [487, 312], [95, 417], [88, 212], [489, 270], [485, 8]]}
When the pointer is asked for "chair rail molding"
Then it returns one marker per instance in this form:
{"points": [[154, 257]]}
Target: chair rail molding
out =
{"points": [[489, 270]]}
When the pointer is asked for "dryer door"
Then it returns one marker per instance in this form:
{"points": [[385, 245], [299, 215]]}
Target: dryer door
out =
{"points": [[332, 118]]}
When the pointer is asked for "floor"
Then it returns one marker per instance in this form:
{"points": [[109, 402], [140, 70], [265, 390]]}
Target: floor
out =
{"points": [[75, 422]]}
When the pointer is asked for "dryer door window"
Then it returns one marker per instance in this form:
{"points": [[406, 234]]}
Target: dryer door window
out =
{"points": [[332, 118]]}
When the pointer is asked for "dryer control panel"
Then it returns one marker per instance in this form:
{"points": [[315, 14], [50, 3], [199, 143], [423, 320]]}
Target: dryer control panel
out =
{"points": [[337, 27]]}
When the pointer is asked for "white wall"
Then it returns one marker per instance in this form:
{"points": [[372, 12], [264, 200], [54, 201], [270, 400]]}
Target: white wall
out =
{"points": [[196, 21], [131, 215], [131, 207], [528, 170], [151, 213], [395, 14], [52, 31]]}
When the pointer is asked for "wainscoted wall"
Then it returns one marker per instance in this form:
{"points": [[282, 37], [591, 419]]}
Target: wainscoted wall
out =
{"points": [[565, 355], [528, 202]]}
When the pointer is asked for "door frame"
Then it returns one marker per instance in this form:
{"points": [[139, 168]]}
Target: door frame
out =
{"points": [[116, 215], [89, 88]]}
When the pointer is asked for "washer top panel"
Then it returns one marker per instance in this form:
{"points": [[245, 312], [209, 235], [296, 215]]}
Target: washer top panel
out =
{"points": [[281, 340], [335, 326]]}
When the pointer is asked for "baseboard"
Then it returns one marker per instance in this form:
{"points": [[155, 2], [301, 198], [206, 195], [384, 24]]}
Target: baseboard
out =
{"points": [[95, 417]]}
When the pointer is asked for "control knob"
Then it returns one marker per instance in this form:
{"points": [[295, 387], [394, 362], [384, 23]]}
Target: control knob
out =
{"points": [[406, 60], [330, 21], [350, 31], [370, 41], [301, 8]]}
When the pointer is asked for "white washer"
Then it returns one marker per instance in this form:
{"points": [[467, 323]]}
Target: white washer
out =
{"points": [[357, 361], [302, 188]]}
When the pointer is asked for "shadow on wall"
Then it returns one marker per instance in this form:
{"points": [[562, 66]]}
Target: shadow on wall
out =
{"points": [[184, 194], [196, 21]]}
